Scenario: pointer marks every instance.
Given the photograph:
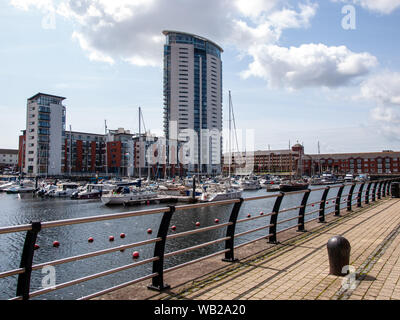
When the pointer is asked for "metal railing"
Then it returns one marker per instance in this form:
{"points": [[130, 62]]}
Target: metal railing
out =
{"points": [[379, 189]]}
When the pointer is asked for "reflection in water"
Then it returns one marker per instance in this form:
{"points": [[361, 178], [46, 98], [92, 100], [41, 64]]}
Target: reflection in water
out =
{"points": [[74, 239]]}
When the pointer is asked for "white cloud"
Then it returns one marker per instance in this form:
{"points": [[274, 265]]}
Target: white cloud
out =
{"points": [[309, 65], [384, 89], [380, 6], [45, 5], [130, 30]]}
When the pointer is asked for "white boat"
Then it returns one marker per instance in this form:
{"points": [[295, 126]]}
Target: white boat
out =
{"points": [[172, 190], [249, 183], [45, 190], [8, 185], [92, 191], [349, 177], [121, 195], [63, 190], [219, 193], [23, 187]]}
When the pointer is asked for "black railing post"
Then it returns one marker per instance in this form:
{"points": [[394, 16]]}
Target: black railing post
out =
{"points": [[367, 193], [302, 211], [380, 190], [322, 205], [385, 190], [374, 192], [383, 194], [388, 186], [24, 279], [274, 218], [338, 200], [350, 197], [230, 232], [359, 197], [159, 250]]}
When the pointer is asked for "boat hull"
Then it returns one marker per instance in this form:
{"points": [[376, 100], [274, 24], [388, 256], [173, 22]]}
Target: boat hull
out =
{"points": [[292, 187]]}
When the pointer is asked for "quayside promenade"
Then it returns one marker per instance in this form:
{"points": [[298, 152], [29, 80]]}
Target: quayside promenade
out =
{"points": [[298, 267]]}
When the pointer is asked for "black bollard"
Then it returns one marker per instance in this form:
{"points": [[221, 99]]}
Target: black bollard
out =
{"points": [[339, 255]]}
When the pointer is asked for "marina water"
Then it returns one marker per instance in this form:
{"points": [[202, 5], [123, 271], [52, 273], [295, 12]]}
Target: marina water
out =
{"points": [[16, 210]]}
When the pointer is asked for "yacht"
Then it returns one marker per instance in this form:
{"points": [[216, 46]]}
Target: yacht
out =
{"points": [[92, 191], [349, 177], [249, 183], [123, 194], [63, 190], [218, 193], [46, 190], [22, 187], [8, 185]]}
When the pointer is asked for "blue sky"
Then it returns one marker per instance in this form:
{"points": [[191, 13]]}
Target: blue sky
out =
{"points": [[347, 98]]}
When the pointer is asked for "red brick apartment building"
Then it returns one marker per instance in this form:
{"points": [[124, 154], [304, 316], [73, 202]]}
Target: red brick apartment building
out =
{"points": [[294, 160]]}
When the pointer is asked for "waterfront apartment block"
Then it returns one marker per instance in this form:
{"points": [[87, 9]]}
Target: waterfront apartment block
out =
{"points": [[47, 149], [385, 162], [88, 153], [193, 100], [296, 162], [8, 159], [45, 132], [277, 161]]}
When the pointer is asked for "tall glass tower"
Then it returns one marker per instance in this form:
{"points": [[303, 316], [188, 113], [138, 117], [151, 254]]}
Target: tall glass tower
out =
{"points": [[193, 101]]}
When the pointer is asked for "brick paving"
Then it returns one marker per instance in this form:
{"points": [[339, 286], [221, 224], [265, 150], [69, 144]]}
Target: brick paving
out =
{"points": [[299, 268]]}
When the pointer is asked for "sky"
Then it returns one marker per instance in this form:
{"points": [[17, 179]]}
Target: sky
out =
{"points": [[299, 71]]}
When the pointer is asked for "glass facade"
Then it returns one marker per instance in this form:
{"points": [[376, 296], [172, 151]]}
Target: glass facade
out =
{"points": [[193, 69]]}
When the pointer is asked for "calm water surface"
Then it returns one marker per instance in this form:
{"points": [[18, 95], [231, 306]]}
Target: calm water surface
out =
{"points": [[73, 239]]}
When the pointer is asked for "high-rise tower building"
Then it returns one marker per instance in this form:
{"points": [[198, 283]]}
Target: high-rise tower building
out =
{"points": [[193, 101], [45, 133]]}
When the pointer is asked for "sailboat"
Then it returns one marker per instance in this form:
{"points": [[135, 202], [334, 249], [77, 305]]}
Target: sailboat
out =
{"points": [[214, 192], [292, 185], [124, 194]]}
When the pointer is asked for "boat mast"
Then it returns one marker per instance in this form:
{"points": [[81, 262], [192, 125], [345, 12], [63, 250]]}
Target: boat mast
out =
{"points": [[105, 132], [290, 157], [319, 160], [70, 149], [229, 143], [140, 148]]}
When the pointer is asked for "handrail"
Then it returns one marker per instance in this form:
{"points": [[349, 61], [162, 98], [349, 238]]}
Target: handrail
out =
{"points": [[374, 190]]}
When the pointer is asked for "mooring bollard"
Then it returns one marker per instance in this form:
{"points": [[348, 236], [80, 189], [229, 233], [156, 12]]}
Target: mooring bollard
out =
{"points": [[339, 255]]}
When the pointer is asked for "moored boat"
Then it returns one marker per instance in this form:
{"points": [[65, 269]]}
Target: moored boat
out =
{"points": [[92, 191], [293, 186], [121, 195]]}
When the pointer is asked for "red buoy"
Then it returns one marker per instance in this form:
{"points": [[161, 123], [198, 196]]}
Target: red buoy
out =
{"points": [[261, 213], [36, 247], [56, 244], [197, 224], [216, 220], [149, 231], [111, 238], [122, 235], [90, 239], [135, 255], [249, 215], [312, 205], [173, 228]]}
